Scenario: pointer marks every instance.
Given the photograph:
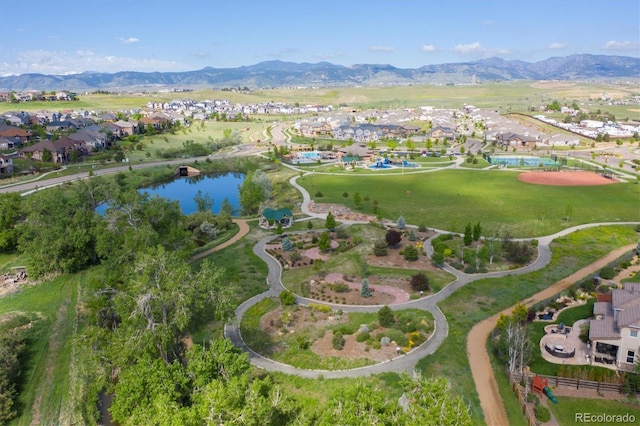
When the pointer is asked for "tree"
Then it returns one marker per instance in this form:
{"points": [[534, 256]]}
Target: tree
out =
{"points": [[287, 244], [393, 238], [412, 235], [204, 202], [260, 178], [251, 195], [324, 243], [365, 291], [410, 252], [401, 224], [287, 298], [514, 343], [468, 234], [419, 282], [386, 318], [437, 258], [309, 224], [10, 214], [330, 222], [477, 231], [568, 211], [380, 248], [47, 156], [357, 199], [337, 341], [226, 207]]}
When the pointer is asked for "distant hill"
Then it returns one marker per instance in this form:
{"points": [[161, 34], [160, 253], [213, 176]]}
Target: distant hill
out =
{"points": [[283, 74]]}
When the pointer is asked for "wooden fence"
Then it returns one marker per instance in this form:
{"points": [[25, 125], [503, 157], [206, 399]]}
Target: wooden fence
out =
{"points": [[577, 383]]}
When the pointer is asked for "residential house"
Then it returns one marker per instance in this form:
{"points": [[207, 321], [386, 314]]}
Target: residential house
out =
{"points": [[128, 127], [93, 138], [614, 333], [15, 133], [60, 150], [61, 126], [442, 133], [270, 218], [516, 140], [6, 165], [7, 144]]}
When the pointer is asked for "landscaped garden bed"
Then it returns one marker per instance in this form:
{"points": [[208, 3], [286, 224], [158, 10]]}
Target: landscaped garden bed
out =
{"points": [[316, 337]]}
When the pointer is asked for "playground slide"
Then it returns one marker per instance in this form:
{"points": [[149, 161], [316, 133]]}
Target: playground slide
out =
{"points": [[547, 391]]}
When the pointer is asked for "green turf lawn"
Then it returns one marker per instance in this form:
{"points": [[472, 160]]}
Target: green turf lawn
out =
{"points": [[568, 410], [450, 199]]}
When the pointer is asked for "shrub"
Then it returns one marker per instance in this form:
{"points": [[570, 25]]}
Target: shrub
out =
{"points": [[380, 248], [542, 413], [341, 233], [412, 235], [287, 298], [337, 341], [376, 343], [397, 336], [419, 282], [372, 326], [607, 273], [363, 337], [346, 329], [385, 341], [319, 194], [422, 228], [320, 308], [393, 237], [340, 287], [386, 317], [410, 253]]}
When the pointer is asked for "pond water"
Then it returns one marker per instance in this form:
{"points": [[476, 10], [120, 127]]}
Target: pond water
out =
{"points": [[183, 190]]}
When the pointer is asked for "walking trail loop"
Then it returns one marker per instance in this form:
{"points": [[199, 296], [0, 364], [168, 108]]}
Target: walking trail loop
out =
{"points": [[486, 385]]}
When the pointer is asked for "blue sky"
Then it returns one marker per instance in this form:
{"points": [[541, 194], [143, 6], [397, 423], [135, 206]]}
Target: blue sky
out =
{"points": [[69, 36]]}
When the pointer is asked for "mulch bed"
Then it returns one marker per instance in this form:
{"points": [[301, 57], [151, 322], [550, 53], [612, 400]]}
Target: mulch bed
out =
{"points": [[564, 178]]}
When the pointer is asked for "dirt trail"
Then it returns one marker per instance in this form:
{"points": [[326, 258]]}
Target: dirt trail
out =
{"points": [[486, 385], [244, 230]]}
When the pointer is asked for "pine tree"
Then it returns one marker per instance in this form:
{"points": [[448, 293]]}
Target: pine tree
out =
{"points": [[401, 224], [365, 291], [287, 244], [330, 222]]}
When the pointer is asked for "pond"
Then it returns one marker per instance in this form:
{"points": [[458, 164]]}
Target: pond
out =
{"points": [[183, 190]]}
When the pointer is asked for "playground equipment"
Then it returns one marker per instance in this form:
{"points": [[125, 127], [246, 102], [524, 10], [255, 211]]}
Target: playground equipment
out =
{"points": [[540, 385]]}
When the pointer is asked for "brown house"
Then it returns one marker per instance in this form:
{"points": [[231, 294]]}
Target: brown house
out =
{"points": [[60, 150]]}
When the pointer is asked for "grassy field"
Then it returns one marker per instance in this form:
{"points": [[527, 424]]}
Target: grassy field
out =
{"points": [[516, 96], [450, 199]]}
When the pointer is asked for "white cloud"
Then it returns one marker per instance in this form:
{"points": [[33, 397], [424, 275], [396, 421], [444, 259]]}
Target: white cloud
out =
{"points": [[65, 62], [128, 40], [428, 48], [621, 45], [478, 50], [381, 49], [329, 56], [557, 46]]}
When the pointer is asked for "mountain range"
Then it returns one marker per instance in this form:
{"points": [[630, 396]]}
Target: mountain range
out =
{"points": [[325, 74]]}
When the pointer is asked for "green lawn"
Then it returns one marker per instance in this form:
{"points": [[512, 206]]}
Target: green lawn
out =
{"points": [[450, 199], [573, 411]]}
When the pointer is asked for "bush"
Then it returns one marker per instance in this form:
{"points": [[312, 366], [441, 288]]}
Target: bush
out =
{"points": [[410, 253], [340, 288], [287, 298], [543, 414], [363, 337], [337, 341], [419, 282], [386, 317], [393, 237], [422, 228], [607, 273], [380, 248], [320, 308], [397, 336], [341, 233]]}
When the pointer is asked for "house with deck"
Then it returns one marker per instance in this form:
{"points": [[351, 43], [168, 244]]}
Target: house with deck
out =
{"points": [[615, 332]]}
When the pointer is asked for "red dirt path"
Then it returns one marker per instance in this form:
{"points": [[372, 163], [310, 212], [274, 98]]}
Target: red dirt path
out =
{"points": [[564, 178]]}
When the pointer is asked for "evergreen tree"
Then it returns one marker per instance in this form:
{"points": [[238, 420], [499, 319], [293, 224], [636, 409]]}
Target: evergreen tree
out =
{"points": [[330, 222], [380, 248], [287, 244], [386, 317], [412, 235], [468, 234], [401, 224], [477, 230], [324, 243], [365, 291], [410, 252]]}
